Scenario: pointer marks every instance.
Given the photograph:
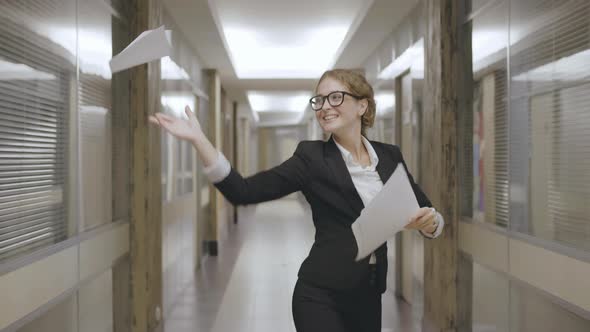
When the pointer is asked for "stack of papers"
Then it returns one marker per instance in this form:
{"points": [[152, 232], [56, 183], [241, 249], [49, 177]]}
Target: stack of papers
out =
{"points": [[149, 46], [388, 213]]}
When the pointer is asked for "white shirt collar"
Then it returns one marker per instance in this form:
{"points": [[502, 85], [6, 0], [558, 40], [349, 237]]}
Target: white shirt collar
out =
{"points": [[349, 159]]}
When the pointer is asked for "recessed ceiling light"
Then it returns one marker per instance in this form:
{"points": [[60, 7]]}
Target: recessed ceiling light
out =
{"points": [[255, 55], [264, 101]]}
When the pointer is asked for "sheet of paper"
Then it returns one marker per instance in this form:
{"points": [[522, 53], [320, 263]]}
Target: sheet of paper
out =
{"points": [[150, 45], [387, 214]]}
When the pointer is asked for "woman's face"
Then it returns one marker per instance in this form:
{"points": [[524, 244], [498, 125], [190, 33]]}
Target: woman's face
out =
{"points": [[341, 119]]}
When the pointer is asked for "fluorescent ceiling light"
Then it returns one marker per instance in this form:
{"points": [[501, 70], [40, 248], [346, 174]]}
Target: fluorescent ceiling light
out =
{"points": [[171, 71], [256, 54], [412, 58], [274, 119], [264, 101], [17, 71]]}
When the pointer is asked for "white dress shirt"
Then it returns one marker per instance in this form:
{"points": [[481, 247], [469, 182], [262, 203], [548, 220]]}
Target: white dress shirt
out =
{"points": [[366, 180]]}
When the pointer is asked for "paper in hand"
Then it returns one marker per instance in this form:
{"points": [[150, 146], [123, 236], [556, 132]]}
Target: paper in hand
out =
{"points": [[150, 45], [388, 213]]}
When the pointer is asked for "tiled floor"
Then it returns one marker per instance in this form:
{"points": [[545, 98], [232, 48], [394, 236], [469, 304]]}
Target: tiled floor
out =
{"points": [[248, 287]]}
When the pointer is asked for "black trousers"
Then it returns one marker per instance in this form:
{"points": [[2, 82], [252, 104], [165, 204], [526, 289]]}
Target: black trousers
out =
{"points": [[318, 309]]}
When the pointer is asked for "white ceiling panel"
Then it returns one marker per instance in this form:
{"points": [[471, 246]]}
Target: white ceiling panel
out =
{"points": [[281, 47], [285, 38]]}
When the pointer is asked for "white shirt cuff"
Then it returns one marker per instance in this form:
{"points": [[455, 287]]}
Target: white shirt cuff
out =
{"points": [[218, 170], [439, 228]]}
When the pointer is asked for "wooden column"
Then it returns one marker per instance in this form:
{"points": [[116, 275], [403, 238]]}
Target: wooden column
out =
{"points": [[145, 188], [215, 136], [263, 142], [235, 152], [445, 97]]}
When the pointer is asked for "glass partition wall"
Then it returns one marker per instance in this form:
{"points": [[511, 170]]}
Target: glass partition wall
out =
{"points": [[527, 171]]}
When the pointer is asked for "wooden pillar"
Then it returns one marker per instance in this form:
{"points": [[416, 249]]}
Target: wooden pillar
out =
{"points": [[397, 117], [235, 124], [145, 188], [397, 129], [121, 133], [263, 142], [445, 97], [215, 136]]}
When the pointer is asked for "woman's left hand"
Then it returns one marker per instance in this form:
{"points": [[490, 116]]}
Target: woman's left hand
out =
{"points": [[424, 220]]}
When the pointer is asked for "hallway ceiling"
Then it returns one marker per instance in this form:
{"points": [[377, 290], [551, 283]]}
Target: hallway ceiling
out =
{"points": [[282, 46]]}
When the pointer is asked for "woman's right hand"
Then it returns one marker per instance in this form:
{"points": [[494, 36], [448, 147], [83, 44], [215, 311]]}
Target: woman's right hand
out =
{"points": [[186, 129], [190, 130]]}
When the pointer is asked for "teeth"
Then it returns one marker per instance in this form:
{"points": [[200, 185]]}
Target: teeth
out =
{"points": [[330, 117]]}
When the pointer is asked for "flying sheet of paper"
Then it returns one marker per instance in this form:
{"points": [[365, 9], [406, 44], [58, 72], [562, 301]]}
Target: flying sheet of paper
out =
{"points": [[150, 45], [388, 213]]}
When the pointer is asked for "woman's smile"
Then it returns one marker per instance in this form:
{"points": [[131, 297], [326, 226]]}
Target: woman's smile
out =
{"points": [[330, 117]]}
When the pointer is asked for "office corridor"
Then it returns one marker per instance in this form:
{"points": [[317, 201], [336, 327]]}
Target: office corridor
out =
{"points": [[110, 222], [249, 286]]}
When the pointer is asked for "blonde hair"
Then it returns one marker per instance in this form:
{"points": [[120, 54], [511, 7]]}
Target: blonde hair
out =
{"points": [[358, 85]]}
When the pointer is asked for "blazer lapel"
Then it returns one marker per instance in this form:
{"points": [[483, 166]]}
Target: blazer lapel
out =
{"points": [[340, 171], [386, 164]]}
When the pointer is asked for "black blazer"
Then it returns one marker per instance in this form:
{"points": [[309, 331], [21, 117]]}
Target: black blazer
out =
{"points": [[318, 170]]}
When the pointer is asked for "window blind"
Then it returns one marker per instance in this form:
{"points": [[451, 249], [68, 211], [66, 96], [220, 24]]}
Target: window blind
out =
{"points": [[489, 168], [34, 88], [550, 71]]}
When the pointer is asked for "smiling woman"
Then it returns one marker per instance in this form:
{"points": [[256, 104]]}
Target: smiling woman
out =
{"points": [[337, 85], [338, 178]]}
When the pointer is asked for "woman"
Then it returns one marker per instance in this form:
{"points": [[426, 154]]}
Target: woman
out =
{"points": [[338, 178]]}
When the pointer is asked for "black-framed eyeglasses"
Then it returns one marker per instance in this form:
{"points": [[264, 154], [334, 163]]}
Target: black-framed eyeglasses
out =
{"points": [[335, 98]]}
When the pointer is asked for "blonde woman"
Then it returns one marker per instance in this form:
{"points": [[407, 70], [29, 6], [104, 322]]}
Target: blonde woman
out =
{"points": [[338, 178]]}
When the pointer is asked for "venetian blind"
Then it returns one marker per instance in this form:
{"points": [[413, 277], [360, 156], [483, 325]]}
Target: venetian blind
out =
{"points": [[34, 94], [550, 68]]}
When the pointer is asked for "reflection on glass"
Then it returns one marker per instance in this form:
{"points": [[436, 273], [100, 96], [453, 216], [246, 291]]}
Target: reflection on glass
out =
{"points": [[532, 311], [10, 71], [490, 300], [489, 38], [575, 67], [550, 69], [382, 129], [176, 94], [95, 145], [36, 79], [490, 116], [179, 153], [385, 101], [95, 37]]}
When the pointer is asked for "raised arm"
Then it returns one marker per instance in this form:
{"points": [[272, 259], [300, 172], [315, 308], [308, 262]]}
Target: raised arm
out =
{"points": [[264, 186], [188, 130]]}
